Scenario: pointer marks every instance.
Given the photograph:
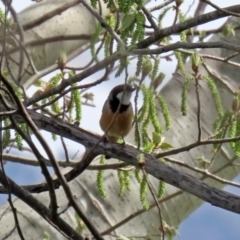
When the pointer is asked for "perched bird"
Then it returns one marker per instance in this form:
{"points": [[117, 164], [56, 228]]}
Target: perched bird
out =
{"points": [[118, 102]]}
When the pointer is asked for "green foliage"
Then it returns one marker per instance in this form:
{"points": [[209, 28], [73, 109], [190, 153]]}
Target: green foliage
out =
{"points": [[228, 30], [144, 135], [138, 175], [161, 189], [94, 39], [232, 133], [216, 124], [80, 224], [202, 34], [127, 175], [196, 61], [17, 90], [131, 80], [139, 65], [183, 34], [235, 104], [146, 67], [155, 69], [165, 146], [216, 97], [138, 34], [162, 185], [180, 62], [7, 134], [24, 127], [165, 111], [148, 115], [131, 26], [123, 64], [46, 236], [143, 192], [4, 18], [109, 3], [77, 102], [94, 3], [121, 179], [128, 21], [153, 113], [158, 80], [19, 141], [54, 137], [127, 29], [125, 5], [100, 178], [184, 95], [237, 144], [139, 3], [111, 20], [156, 139], [39, 83], [54, 82], [148, 147], [170, 231], [219, 126], [137, 138]]}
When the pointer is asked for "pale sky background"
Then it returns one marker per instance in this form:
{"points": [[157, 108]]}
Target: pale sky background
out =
{"points": [[206, 223]]}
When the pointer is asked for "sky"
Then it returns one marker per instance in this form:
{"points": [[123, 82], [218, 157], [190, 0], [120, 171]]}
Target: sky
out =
{"points": [[207, 222]]}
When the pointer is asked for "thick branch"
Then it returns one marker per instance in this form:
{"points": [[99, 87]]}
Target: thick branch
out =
{"points": [[153, 166], [199, 20]]}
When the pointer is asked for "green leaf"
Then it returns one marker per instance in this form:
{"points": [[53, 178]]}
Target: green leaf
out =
{"points": [[46, 236], [165, 146], [156, 138], [80, 224], [127, 20], [229, 29], [39, 83]]}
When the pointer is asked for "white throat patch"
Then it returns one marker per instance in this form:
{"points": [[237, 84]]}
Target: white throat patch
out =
{"points": [[125, 98]]}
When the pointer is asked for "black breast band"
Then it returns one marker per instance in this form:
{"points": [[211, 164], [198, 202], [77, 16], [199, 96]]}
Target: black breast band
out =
{"points": [[114, 106]]}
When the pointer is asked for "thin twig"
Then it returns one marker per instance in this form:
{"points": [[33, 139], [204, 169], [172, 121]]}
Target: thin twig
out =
{"points": [[221, 9], [103, 23], [149, 18], [160, 6]]}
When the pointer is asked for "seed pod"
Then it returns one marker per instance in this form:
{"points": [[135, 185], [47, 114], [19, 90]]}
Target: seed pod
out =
{"points": [[62, 60], [196, 61], [235, 104], [146, 68]]}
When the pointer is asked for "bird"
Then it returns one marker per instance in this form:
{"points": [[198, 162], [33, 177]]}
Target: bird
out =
{"points": [[119, 103]]}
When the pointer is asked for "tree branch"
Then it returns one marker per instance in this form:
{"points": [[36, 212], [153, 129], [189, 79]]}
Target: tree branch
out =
{"points": [[153, 166], [199, 20]]}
